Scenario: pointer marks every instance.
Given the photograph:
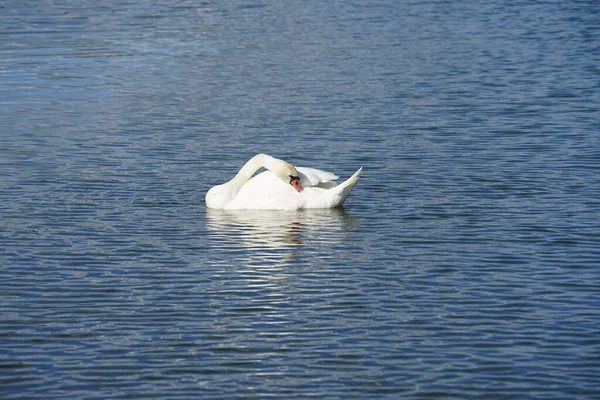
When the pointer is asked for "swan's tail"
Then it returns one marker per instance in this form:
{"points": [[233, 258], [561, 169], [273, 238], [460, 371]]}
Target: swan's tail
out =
{"points": [[344, 188]]}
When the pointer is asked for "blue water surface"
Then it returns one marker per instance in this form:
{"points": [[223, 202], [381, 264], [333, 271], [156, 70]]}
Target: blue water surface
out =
{"points": [[464, 265]]}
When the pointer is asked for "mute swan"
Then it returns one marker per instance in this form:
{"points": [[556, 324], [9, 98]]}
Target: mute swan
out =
{"points": [[281, 187]]}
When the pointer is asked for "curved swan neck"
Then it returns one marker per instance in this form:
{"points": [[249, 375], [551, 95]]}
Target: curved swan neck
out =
{"points": [[221, 196], [253, 165]]}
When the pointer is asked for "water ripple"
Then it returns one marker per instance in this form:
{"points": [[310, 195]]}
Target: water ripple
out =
{"points": [[464, 264]]}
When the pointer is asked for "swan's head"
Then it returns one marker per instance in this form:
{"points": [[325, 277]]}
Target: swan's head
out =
{"points": [[287, 173]]}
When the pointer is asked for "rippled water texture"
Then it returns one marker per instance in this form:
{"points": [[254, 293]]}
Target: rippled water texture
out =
{"points": [[465, 263]]}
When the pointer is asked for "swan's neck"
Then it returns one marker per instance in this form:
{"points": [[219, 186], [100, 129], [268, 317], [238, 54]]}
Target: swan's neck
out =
{"points": [[254, 164]]}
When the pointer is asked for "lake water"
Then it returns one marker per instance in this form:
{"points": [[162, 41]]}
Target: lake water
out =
{"points": [[465, 264]]}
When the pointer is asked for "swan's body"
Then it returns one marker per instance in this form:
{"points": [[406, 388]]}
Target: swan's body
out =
{"points": [[281, 187]]}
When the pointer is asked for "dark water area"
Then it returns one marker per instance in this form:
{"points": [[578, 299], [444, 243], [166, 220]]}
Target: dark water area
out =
{"points": [[464, 265]]}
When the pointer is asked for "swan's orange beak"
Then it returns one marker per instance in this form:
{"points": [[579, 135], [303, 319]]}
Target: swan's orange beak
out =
{"points": [[296, 185]]}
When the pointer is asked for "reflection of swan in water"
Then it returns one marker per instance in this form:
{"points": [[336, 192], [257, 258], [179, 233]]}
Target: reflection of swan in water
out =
{"points": [[268, 236]]}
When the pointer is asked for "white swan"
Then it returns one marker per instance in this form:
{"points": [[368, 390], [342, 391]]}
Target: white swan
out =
{"points": [[281, 187]]}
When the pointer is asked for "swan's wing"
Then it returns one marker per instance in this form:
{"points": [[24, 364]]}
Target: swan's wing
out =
{"points": [[266, 191], [317, 197], [314, 177]]}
